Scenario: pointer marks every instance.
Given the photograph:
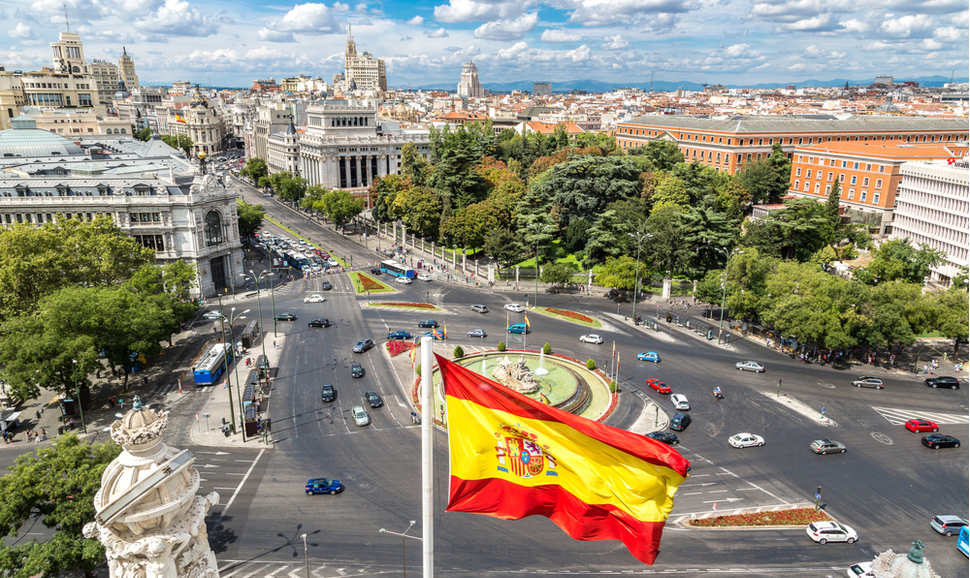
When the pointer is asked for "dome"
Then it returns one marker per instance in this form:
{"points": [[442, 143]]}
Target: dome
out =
{"points": [[122, 93], [199, 101], [26, 140]]}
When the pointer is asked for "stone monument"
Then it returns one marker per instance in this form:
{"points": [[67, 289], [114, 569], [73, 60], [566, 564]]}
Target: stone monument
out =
{"points": [[515, 376], [149, 518], [912, 565]]}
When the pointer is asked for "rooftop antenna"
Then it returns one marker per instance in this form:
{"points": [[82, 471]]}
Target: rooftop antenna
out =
{"points": [[951, 76], [67, 18], [651, 80]]}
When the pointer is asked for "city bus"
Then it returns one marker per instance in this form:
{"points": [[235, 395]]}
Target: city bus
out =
{"points": [[963, 542], [212, 363], [396, 269], [298, 260]]}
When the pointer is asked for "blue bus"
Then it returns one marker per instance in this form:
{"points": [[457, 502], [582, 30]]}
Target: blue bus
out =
{"points": [[297, 260], [963, 542], [212, 363], [396, 269]]}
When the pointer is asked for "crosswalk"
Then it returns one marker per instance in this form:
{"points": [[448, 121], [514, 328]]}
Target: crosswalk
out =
{"points": [[897, 416]]}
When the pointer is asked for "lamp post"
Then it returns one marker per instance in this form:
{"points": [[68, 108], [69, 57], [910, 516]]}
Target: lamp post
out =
{"points": [[636, 283], [404, 535], [225, 360], [537, 229], [235, 369], [720, 327], [256, 281], [306, 556], [80, 409]]}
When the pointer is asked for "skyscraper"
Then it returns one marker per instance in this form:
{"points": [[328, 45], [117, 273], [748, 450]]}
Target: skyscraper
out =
{"points": [[469, 84], [127, 70], [363, 72]]}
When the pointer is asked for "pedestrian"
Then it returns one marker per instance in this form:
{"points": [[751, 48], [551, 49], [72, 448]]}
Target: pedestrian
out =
{"points": [[121, 405], [274, 344], [924, 369], [111, 401]]}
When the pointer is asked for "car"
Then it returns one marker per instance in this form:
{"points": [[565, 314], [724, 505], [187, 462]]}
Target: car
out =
{"points": [[356, 370], [212, 315], [285, 317], [520, 328], [323, 486], [478, 333], [514, 307], [679, 421], [326, 286], [316, 269], [376, 271], [942, 381], [434, 335], [328, 393], [360, 416], [937, 441], [403, 280], [680, 401], [921, 425], [649, 356], [398, 336], [424, 277], [479, 309], [321, 322], [363, 345], [314, 299], [750, 366], [868, 381], [664, 437], [658, 385], [746, 440], [948, 525], [591, 338], [373, 399], [333, 262], [428, 323], [825, 532], [827, 447], [861, 570]]}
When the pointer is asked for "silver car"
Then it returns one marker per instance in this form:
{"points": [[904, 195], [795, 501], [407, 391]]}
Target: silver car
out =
{"points": [[750, 366], [360, 416], [680, 401]]}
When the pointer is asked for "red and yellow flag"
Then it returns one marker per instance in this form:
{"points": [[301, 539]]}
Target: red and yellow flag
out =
{"points": [[513, 457], [527, 326], [444, 330], [179, 118], [413, 354]]}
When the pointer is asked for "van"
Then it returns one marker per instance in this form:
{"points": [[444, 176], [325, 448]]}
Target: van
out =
{"points": [[679, 422], [518, 328]]}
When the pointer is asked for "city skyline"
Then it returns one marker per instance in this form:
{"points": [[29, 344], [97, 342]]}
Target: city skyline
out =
{"points": [[427, 42]]}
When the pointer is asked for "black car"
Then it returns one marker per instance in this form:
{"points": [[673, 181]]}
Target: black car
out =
{"points": [[373, 399], [665, 437], [363, 345], [328, 393], [376, 271], [356, 370], [429, 323], [285, 317], [679, 422], [937, 441], [326, 286], [943, 381], [322, 322]]}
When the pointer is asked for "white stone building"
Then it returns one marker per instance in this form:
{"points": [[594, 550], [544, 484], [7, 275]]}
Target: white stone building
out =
{"points": [[364, 72], [469, 84]]}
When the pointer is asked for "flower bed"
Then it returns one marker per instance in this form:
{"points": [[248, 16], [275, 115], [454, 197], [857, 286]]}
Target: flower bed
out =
{"points": [[395, 348], [570, 315], [796, 517], [368, 284], [365, 284], [408, 305]]}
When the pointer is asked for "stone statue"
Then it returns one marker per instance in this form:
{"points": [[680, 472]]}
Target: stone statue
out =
{"points": [[149, 518], [515, 375]]}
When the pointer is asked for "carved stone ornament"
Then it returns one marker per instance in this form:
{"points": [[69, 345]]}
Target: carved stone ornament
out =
{"points": [[515, 375]]}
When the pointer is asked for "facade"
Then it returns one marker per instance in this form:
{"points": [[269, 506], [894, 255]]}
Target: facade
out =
{"points": [[147, 188], [271, 119], [727, 143], [469, 84], [68, 54], [48, 88], [12, 97], [127, 70], [78, 121], [200, 123], [541, 89], [868, 174], [283, 151], [104, 76], [180, 88], [934, 209], [363, 72]]}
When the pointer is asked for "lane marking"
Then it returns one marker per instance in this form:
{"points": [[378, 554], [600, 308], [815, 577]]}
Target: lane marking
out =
{"points": [[239, 487]]}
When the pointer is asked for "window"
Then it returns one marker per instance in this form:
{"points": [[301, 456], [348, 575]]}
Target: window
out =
{"points": [[808, 174], [875, 198], [830, 177], [851, 194], [795, 188], [798, 172], [844, 164], [862, 196], [817, 185], [806, 185], [878, 184], [852, 182], [213, 228], [868, 167], [865, 181], [828, 189], [855, 165]]}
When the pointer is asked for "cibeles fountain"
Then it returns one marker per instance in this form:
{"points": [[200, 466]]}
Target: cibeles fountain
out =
{"points": [[149, 518]]}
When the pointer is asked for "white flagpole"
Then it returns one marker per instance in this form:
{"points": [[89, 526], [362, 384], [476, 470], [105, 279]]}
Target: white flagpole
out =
{"points": [[427, 473]]}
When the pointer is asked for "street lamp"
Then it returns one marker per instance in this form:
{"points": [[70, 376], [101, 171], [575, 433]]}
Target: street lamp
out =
{"points": [[537, 229], [720, 327], [80, 409], [404, 558], [636, 283], [225, 360], [306, 556], [256, 281]]}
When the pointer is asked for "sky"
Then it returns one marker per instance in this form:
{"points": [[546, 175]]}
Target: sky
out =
{"points": [[733, 42]]}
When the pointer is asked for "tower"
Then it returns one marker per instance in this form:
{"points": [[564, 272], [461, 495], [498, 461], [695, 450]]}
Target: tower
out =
{"points": [[68, 54], [126, 69], [469, 84]]}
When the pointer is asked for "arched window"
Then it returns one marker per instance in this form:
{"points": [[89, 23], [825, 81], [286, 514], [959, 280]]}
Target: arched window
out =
{"points": [[213, 228]]}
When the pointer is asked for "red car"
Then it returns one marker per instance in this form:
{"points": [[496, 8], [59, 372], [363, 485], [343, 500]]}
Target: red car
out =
{"points": [[658, 385], [921, 425]]}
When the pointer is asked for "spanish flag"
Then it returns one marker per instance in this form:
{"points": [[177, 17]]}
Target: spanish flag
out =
{"points": [[179, 118], [527, 326], [413, 354], [437, 334], [444, 331], [513, 457]]}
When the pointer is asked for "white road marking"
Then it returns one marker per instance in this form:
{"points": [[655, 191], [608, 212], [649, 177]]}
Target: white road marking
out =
{"points": [[239, 487]]}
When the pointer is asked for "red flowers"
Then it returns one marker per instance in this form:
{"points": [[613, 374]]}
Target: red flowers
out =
{"points": [[396, 348], [368, 284], [797, 517], [570, 314], [408, 305]]}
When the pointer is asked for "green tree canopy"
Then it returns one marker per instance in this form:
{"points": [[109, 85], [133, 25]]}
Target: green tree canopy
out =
{"points": [[179, 142], [387, 189], [144, 134], [663, 155], [250, 218], [619, 272], [339, 206], [583, 186], [420, 209], [898, 259], [255, 169], [557, 273], [767, 179], [503, 246]]}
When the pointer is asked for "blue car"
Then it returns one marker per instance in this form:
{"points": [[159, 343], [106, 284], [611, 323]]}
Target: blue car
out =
{"points": [[323, 486], [398, 335], [433, 335], [649, 356], [520, 328]]}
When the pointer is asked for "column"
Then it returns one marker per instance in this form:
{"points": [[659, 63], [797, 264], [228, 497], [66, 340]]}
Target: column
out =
{"points": [[359, 173]]}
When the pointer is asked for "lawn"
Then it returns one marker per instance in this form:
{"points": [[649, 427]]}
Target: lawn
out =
{"points": [[571, 316], [796, 517], [364, 283]]}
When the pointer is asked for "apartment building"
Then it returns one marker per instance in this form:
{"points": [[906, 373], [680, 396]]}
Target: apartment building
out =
{"points": [[12, 97]]}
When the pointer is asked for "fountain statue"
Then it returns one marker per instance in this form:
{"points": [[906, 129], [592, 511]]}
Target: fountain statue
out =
{"points": [[515, 375], [149, 518]]}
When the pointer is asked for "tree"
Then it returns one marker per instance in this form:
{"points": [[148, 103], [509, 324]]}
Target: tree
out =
{"points": [[455, 177], [670, 191], [732, 197], [898, 259], [250, 218], [340, 207], [767, 179], [832, 206], [557, 274], [699, 180], [144, 134], [56, 485], [664, 250], [412, 164], [951, 314], [287, 186], [619, 272], [703, 232], [386, 189], [179, 142], [576, 235], [606, 238], [420, 209], [504, 247], [663, 155], [255, 170], [583, 186]]}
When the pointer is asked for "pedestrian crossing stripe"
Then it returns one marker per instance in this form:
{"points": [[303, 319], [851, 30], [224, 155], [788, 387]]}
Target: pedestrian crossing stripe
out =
{"points": [[898, 416]]}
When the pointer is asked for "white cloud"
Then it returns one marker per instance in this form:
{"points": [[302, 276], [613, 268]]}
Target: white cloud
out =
{"points": [[626, 12], [269, 35], [820, 23], [177, 18], [614, 43], [581, 54], [930, 44], [556, 36], [416, 21], [472, 11], [439, 33], [512, 51], [908, 26], [508, 29], [22, 31], [950, 33], [814, 52], [856, 26], [310, 18]]}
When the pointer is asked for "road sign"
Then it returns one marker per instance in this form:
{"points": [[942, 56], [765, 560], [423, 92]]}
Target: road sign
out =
{"points": [[818, 496]]}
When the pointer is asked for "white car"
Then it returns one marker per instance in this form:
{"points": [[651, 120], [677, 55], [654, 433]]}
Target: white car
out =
{"points": [[315, 299], [332, 263], [514, 307], [746, 440], [360, 416], [680, 401], [824, 532], [403, 280], [591, 338], [424, 277], [212, 315], [750, 366]]}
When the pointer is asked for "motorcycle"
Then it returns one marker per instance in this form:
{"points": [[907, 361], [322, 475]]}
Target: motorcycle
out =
{"points": [[718, 394], [225, 431]]}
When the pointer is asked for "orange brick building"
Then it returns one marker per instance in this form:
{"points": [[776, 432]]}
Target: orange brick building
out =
{"points": [[868, 174], [727, 143]]}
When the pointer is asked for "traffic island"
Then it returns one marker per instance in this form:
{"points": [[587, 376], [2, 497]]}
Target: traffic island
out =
{"points": [[775, 518], [399, 305], [364, 284], [571, 316]]}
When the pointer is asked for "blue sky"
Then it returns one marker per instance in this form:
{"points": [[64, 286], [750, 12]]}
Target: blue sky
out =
{"points": [[717, 41]]}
